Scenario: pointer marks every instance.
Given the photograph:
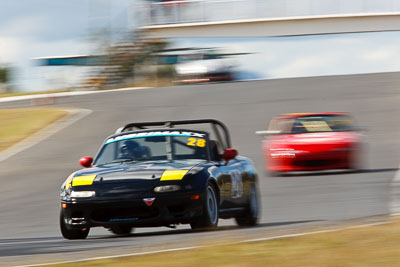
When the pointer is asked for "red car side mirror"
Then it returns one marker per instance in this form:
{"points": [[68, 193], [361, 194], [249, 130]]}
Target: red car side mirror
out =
{"points": [[229, 154], [86, 162]]}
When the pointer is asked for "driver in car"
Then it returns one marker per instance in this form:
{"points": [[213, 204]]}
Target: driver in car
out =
{"points": [[132, 150]]}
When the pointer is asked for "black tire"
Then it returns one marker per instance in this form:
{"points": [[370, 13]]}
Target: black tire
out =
{"points": [[121, 229], [209, 220], [252, 212], [72, 234]]}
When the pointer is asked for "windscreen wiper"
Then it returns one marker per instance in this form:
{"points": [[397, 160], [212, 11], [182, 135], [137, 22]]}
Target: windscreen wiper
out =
{"points": [[120, 161]]}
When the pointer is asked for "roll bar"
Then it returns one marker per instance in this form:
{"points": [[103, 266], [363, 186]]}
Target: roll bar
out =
{"points": [[216, 126]]}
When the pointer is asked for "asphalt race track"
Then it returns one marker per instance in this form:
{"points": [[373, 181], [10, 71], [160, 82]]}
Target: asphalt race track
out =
{"points": [[30, 180]]}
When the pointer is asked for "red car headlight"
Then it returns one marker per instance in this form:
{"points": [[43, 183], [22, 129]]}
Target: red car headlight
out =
{"points": [[285, 153]]}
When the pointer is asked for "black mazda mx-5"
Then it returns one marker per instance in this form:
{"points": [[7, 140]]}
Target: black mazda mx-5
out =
{"points": [[154, 174]]}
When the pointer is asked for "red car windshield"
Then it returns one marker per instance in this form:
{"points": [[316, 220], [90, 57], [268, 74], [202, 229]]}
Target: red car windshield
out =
{"points": [[322, 123], [312, 124]]}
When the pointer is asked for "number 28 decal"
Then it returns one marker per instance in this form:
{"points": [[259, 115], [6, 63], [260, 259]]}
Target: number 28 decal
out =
{"points": [[196, 142]]}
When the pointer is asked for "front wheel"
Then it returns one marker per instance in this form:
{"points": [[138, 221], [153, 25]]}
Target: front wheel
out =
{"points": [[251, 214], [72, 234], [211, 210]]}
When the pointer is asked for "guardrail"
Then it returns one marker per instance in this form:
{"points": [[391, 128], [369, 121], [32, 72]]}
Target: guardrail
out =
{"points": [[155, 12]]}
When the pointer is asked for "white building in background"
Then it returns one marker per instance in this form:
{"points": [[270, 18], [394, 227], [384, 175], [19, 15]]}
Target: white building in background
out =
{"points": [[260, 18]]}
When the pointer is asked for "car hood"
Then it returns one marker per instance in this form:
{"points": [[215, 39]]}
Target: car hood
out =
{"points": [[134, 171], [133, 180]]}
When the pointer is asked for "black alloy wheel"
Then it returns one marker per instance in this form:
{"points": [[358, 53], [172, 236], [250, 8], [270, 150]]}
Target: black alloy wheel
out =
{"points": [[211, 210], [251, 214]]}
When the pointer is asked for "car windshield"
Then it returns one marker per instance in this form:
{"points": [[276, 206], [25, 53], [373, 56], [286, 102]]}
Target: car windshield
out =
{"points": [[322, 123], [154, 146]]}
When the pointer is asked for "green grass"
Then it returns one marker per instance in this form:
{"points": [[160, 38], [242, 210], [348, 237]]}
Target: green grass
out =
{"points": [[369, 246], [17, 124]]}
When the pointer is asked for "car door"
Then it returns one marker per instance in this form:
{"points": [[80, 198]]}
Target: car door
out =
{"points": [[234, 172], [230, 183]]}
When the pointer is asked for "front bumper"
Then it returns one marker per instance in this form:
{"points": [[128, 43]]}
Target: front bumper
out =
{"points": [[166, 209], [311, 162]]}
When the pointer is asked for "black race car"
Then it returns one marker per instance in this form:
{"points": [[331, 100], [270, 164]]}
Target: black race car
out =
{"points": [[153, 174]]}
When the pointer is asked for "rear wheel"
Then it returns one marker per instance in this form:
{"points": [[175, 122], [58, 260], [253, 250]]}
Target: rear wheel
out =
{"points": [[211, 210], [72, 233], [251, 214], [121, 229]]}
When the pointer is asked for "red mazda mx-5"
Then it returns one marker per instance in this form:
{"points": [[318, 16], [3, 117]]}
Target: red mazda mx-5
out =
{"points": [[310, 142]]}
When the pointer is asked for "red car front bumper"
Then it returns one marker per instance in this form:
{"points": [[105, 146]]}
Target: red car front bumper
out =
{"points": [[309, 161]]}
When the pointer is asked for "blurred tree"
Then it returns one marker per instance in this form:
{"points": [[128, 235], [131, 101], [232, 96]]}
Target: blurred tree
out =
{"points": [[4, 78], [4, 74], [125, 56]]}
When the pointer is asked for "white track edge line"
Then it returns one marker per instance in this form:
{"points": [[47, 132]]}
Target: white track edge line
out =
{"points": [[60, 94], [117, 256], [314, 232], [73, 116], [218, 244]]}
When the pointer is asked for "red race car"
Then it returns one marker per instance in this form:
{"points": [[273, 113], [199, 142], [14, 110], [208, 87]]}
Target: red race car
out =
{"points": [[311, 141]]}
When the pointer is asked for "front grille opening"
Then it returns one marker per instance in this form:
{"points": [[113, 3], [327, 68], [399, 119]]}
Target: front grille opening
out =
{"points": [[123, 214], [315, 163], [77, 214], [177, 210]]}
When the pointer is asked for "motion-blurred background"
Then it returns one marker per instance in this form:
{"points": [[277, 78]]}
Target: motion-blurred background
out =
{"points": [[239, 61], [97, 44]]}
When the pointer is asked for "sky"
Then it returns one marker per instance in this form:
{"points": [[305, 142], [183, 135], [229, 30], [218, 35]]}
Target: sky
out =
{"points": [[43, 28], [303, 56]]}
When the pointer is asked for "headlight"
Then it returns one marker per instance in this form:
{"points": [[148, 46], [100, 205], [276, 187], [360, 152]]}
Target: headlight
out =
{"points": [[78, 194], [286, 153], [167, 188]]}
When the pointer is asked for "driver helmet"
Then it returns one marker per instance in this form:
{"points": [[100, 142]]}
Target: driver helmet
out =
{"points": [[131, 149]]}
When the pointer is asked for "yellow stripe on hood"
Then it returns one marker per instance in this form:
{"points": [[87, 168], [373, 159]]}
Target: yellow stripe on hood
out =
{"points": [[173, 175], [69, 180], [83, 180]]}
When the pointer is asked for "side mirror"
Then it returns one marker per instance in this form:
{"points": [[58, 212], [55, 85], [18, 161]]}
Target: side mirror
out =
{"points": [[229, 154], [86, 162]]}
